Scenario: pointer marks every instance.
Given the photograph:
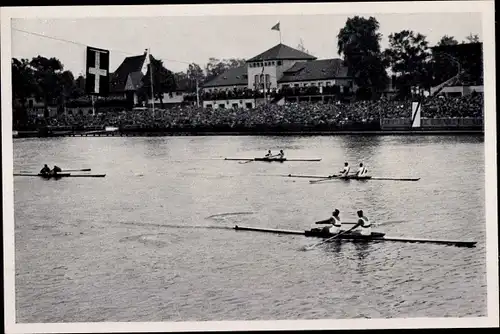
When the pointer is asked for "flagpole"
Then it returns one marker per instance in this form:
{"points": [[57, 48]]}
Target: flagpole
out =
{"points": [[151, 78], [280, 34]]}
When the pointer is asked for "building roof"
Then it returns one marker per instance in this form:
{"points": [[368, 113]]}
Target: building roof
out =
{"points": [[282, 52], [128, 75], [232, 77], [315, 70]]}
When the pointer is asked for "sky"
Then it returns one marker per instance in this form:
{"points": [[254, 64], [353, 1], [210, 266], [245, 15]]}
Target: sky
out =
{"points": [[180, 40]]}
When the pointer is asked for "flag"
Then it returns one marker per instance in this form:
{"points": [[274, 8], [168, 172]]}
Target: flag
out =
{"points": [[97, 72], [416, 114], [144, 69], [276, 27]]}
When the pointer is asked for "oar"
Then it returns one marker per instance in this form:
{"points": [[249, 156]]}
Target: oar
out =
{"points": [[245, 162], [77, 170], [306, 176], [325, 179], [327, 240]]}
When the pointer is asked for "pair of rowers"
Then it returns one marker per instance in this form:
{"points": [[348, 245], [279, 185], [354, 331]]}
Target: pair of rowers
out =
{"points": [[47, 171], [362, 171], [363, 226], [280, 155]]}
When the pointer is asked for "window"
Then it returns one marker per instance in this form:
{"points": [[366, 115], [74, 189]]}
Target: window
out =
{"points": [[305, 85], [256, 79], [249, 105], [209, 106], [279, 62], [222, 106], [268, 80], [320, 84], [235, 105], [176, 93]]}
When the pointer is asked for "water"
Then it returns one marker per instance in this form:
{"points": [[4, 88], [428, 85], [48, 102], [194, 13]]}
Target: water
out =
{"points": [[132, 247]]}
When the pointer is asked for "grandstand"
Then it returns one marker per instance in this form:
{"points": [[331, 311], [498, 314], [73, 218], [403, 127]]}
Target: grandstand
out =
{"points": [[468, 59]]}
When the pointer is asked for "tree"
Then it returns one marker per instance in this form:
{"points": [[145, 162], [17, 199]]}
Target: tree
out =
{"points": [[408, 54], [216, 67], [47, 78], [359, 43], [301, 47], [447, 40], [194, 74], [472, 38], [163, 81], [68, 87], [23, 87]]}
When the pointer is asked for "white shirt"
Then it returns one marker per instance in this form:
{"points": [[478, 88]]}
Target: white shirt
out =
{"points": [[362, 171], [336, 225], [346, 170], [366, 227], [281, 155]]}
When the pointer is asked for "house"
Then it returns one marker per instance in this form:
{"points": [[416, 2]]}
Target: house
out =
{"points": [[279, 73]]}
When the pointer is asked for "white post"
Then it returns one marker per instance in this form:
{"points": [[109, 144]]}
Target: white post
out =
{"points": [[93, 105], [197, 94]]}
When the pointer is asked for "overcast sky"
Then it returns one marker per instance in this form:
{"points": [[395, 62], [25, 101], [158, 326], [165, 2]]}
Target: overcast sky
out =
{"points": [[181, 40]]}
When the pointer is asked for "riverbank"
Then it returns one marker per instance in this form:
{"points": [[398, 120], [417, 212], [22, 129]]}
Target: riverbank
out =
{"points": [[420, 132]]}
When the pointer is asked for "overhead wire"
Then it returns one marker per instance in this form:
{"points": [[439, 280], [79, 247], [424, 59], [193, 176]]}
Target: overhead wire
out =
{"points": [[83, 44]]}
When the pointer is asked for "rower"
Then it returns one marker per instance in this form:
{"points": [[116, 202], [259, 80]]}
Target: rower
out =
{"points": [[45, 170], [269, 154], [336, 224], [56, 170], [362, 171], [281, 155], [346, 170], [364, 224]]}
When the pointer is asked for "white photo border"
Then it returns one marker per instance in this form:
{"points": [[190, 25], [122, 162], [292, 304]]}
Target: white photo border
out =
{"points": [[485, 8]]}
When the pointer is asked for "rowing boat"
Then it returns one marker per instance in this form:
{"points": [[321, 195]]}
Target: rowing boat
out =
{"points": [[375, 237], [349, 177], [60, 175], [270, 159]]}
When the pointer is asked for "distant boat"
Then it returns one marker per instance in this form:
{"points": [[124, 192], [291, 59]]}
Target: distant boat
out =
{"points": [[111, 128]]}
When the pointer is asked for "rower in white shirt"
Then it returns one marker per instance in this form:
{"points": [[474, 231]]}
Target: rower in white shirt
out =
{"points": [[346, 170], [335, 221], [281, 155], [363, 226], [269, 154], [334, 224], [362, 171]]}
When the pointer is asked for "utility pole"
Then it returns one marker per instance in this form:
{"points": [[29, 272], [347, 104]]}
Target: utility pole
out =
{"points": [[197, 94], [151, 78]]}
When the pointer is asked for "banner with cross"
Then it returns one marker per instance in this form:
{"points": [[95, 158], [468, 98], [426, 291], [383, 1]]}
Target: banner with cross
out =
{"points": [[97, 72]]}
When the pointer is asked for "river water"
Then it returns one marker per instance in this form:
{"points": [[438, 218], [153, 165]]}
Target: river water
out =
{"points": [[139, 244]]}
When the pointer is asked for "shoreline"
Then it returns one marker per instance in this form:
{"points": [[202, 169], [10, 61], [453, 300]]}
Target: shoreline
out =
{"points": [[423, 132]]}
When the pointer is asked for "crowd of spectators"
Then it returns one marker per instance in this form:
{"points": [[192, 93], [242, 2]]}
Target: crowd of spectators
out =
{"points": [[303, 114]]}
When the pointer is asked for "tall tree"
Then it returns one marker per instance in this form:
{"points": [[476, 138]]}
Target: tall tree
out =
{"points": [[472, 38], [47, 77], [23, 86], [359, 43], [408, 55], [68, 87], [163, 81], [194, 74], [447, 40]]}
